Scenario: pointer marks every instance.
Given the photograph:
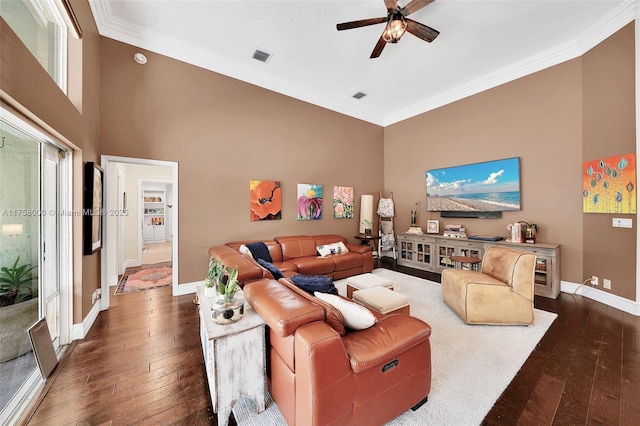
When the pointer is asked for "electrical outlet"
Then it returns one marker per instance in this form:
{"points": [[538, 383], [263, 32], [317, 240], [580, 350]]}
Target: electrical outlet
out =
{"points": [[594, 280], [606, 284]]}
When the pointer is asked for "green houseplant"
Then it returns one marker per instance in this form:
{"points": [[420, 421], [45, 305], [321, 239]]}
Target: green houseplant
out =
{"points": [[214, 275], [16, 283], [228, 308], [228, 285], [367, 226], [18, 306], [529, 231]]}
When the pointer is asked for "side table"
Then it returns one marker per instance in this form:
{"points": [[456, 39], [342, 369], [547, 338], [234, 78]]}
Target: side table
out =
{"points": [[472, 261], [366, 240], [234, 358]]}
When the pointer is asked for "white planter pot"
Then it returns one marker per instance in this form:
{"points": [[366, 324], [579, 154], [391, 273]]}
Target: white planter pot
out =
{"points": [[209, 292]]}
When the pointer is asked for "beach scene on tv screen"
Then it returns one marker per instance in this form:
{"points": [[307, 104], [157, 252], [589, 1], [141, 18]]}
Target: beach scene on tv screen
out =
{"points": [[490, 186]]}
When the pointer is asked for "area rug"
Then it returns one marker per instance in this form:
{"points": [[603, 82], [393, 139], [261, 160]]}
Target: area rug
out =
{"points": [[145, 277], [471, 364]]}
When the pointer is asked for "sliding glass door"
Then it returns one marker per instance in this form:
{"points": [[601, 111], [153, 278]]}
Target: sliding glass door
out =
{"points": [[29, 252]]}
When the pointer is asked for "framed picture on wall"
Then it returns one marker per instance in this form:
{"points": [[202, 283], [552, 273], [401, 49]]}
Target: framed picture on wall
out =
{"points": [[93, 205], [433, 226]]}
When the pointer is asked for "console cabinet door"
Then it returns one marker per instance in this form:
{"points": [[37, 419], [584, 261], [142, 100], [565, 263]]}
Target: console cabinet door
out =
{"points": [[424, 253], [405, 244]]}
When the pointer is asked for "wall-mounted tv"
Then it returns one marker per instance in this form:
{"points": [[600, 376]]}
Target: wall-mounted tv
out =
{"points": [[491, 186]]}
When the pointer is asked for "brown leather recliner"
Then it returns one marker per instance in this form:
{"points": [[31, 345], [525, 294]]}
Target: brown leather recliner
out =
{"points": [[321, 374]]}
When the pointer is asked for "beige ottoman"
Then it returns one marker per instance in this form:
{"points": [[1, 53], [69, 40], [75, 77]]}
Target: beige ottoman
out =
{"points": [[383, 300], [362, 281]]}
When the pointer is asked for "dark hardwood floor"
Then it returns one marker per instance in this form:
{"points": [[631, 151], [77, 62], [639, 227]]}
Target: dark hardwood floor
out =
{"points": [[141, 363]]}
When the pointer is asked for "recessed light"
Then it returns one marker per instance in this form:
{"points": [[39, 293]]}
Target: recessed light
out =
{"points": [[140, 58], [359, 95]]}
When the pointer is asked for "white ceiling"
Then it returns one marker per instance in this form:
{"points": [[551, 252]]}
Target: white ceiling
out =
{"points": [[482, 44]]}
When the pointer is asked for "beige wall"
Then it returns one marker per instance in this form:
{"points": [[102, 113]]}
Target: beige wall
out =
{"points": [[223, 133], [609, 129], [24, 84], [553, 120]]}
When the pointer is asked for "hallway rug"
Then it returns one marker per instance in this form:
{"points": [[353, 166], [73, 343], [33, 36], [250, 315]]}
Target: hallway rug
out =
{"points": [[145, 277], [471, 364]]}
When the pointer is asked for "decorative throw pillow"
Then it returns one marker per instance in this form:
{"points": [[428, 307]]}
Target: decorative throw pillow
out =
{"points": [[277, 273], [245, 250], [333, 248], [355, 316], [259, 250], [313, 283]]}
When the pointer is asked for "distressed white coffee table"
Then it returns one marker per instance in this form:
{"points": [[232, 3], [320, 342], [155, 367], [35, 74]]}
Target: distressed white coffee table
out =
{"points": [[234, 357]]}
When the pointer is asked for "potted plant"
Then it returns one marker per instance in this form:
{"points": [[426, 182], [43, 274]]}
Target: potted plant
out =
{"points": [[228, 307], [15, 283], [228, 285], [367, 226], [216, 271], [529, 231], [19, 306]]}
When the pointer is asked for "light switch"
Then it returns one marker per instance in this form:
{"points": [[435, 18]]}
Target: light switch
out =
{"points": [[622, 223]]}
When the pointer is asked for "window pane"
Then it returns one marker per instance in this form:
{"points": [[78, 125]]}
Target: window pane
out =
{"points": [[19, 246], [41, 28]]}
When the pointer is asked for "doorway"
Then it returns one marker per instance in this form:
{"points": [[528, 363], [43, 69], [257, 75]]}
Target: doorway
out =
{"points": [[124, 244]]}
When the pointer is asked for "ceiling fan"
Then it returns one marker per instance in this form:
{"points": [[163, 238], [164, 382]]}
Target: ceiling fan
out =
{"points": [[397, 24]]}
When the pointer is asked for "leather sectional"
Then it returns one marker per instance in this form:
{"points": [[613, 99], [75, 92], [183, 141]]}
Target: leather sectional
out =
{"points": [[298, 255]]}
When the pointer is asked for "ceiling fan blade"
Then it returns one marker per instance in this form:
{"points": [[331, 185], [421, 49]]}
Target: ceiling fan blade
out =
{"points": [[378, 49], [414, 6], [361, 23], [421, 31], [391, 4]]}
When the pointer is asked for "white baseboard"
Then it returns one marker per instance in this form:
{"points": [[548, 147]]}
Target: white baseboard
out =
{"points": [[113, 280], [598, 295], [187, 288], [131, 263], [79, 331]]}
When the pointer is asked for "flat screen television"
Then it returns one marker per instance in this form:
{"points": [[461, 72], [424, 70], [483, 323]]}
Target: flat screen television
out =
{"points": [[491, 186]]}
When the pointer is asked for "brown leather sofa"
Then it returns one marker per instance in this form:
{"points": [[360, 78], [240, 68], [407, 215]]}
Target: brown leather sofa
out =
{"points": [[298, 255], [321, 374]]}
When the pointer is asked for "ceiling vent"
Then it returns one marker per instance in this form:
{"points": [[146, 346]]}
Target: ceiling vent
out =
{"points": [[261, 55], [359, 95]]}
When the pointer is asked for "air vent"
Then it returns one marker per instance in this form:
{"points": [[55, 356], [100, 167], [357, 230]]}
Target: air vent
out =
{"points": [[261, 55], [359, 95]]}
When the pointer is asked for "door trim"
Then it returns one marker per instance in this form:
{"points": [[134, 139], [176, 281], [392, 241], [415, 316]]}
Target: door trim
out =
{"points": [[105, 160]]}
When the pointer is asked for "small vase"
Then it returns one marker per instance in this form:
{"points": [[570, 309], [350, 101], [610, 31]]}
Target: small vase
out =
{"points": [[227, 309]]}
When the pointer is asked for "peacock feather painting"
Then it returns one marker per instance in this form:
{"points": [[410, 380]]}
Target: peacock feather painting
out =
{"points": [[609, 185]]}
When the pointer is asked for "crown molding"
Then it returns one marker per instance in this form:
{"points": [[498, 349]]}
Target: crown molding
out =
{"points": [[600, 31], [113, 27]]}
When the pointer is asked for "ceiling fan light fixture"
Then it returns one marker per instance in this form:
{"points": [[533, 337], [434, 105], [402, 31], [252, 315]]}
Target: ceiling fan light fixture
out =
{"points": [[395, 29]]}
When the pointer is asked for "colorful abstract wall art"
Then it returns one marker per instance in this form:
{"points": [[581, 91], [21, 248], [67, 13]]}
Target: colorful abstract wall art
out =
{"points": [[609, 185], [265, 200], [342, 202], [309, 202]]}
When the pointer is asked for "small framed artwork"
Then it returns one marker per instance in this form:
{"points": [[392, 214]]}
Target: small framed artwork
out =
{"points": [[433, 226], [93, 201]]}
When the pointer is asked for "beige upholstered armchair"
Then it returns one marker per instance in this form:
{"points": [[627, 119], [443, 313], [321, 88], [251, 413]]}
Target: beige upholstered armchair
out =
{"points": [[500, 293]]}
